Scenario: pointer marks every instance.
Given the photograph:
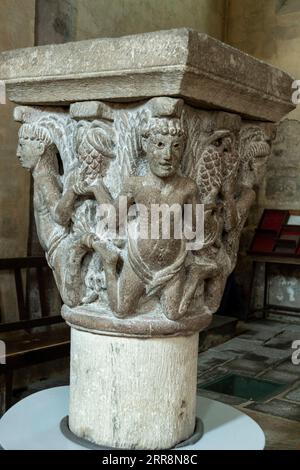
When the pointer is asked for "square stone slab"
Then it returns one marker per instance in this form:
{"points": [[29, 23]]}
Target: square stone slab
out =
{"points": [[280, 408], [181, 62], [294, 395]]}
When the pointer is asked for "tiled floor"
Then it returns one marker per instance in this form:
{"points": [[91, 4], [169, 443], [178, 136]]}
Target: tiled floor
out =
{"points": [[263, 349]]}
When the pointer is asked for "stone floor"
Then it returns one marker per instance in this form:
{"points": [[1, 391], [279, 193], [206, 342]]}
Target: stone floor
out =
{"points": [[262, 349]]}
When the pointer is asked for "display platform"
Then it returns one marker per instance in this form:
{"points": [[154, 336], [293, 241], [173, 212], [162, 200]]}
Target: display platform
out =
{"points": [[34, 424]]}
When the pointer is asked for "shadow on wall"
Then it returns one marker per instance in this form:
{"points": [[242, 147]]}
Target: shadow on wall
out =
{"points": [[59, 21]]}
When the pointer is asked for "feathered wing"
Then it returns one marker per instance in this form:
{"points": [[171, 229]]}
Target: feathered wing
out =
{"points": [[209, 174], [192, 125], [62, 128], [129, 160]]}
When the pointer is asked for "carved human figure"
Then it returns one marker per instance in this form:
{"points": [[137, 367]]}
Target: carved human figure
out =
{"points": [[94, 146], [215, 173], [154, 265], [253, 151], [137, 154], [53, 208]]}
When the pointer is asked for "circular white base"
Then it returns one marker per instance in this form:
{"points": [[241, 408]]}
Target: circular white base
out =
{"points": [[34, 424]]}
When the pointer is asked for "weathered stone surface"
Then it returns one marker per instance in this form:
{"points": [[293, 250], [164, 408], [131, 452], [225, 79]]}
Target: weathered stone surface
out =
{"points": [[186, 63], [282, 186], [133, 393], [123, 285], [283, 340], [281, 408], [280, 376], [293, 395], [158, 154], [148, 324]]}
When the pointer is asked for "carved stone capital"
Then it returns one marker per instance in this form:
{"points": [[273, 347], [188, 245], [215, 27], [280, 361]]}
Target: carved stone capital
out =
{"points": [[153, 155], [146, 152]]}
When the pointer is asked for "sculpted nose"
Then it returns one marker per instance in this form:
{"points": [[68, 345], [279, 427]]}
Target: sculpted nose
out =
{"points": [[168, 153]]}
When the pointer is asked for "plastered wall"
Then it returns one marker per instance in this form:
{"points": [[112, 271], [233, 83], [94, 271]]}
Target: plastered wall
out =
{"points": [[16, 30], [270, 31], [95, 18]]}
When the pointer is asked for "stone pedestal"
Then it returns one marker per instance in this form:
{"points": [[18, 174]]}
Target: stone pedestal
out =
{"points": [[131, 392], [171, 119]]}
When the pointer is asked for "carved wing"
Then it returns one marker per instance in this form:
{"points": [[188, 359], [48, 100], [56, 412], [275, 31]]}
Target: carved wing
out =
{"points": [[94, 144], [209, 174], [61, 128], [129, 148]]}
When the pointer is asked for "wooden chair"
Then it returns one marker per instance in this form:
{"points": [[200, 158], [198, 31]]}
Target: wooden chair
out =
{"points": [[26, 342]]}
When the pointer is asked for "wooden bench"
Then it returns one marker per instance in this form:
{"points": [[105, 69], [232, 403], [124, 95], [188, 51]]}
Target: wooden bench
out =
{"points": [[30, 341]]}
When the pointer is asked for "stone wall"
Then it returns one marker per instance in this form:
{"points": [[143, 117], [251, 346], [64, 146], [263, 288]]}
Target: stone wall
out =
{"points": [[40, 22], [270, 30], [68, 20], [36, 22], [16, 30], [95, 19]]}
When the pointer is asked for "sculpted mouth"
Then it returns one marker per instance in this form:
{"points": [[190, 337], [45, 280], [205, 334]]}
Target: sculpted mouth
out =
{"points": [[165, 165]]}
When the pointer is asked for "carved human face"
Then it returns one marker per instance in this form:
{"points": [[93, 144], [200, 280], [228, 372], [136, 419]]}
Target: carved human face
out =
{"points": [[29, 151], [164, 154]]}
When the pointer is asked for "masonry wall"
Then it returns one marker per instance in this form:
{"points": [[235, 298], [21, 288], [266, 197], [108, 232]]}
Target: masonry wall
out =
{"points": [[270, 31], [16, 30], [95, 19], [70, 20], [36, 22]]}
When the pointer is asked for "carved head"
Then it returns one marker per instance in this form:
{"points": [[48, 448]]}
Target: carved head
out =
{"points": [[254, 150], [34, 140], [163, 142]]}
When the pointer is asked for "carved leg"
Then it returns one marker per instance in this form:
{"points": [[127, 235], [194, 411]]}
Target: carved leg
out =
{"points": [[172, 295], [191, 283], [124, 292], [66, 264], [214, 291], [195, 274]]}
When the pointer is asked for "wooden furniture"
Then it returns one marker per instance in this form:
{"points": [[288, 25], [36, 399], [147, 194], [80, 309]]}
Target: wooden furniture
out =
{"points": [[276, 242], [30, 341], [277, 234], [268, 262]]}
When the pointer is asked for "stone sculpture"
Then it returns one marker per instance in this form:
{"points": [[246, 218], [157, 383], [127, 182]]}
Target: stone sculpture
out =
{"points": [[110, 137], [174, 155]]}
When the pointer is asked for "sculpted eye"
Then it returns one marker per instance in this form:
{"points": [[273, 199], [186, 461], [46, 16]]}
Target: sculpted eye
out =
{"points": [[218, 143], [176, 146], [160, 145]]}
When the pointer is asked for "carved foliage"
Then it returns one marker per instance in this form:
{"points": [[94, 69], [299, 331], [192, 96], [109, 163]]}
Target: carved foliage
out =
{"points": [[208, 157]]}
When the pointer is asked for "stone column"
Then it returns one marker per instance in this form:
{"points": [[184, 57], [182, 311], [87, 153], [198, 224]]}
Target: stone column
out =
{"points": [[172, 119]]}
